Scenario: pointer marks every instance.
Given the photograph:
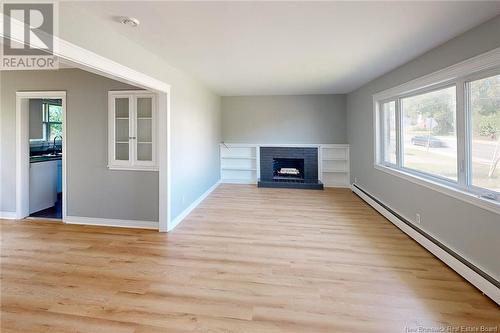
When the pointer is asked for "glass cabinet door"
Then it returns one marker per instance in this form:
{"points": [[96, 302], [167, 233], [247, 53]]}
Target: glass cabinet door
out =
{"points": [[144, 148], [122, 128], [132, 130]]}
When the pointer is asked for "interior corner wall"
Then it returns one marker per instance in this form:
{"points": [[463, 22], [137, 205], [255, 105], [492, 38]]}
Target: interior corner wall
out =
{"points": [[195, 110], [92, 189], [471, 231], [284, 119]]}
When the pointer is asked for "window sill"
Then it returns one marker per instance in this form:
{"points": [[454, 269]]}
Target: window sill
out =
{"points": [[134, 168], [490, 205]]}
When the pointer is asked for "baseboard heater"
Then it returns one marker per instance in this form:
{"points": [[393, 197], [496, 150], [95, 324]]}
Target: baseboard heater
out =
{"points": [[492, 290]]}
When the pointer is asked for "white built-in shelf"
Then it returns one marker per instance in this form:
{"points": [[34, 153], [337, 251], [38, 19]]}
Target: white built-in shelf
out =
{"points": [[121, 118], [334, 165], [240, 163]]}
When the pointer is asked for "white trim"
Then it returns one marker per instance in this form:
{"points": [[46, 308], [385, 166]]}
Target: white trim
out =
{"points": [[133, 168], [8, 215], [164, 161], [305, 145], [451, 191], [477, 280], [84, 59], [191, 207], [22, 151], [478, 63], [111, 222]]}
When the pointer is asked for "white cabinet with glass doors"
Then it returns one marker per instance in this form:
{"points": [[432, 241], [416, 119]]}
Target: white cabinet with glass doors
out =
{"points": [[132, 130]]}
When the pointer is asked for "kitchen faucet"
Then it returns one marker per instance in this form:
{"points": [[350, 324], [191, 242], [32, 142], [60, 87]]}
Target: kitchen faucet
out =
{"points": [[54, 143]]}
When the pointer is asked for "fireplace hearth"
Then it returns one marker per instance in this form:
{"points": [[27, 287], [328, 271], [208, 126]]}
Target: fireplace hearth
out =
{"points": [[289, 167]]}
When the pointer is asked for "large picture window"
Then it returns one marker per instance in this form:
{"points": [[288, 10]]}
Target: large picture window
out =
{"points": [[485, 130], [429, 132], [448, 133]]}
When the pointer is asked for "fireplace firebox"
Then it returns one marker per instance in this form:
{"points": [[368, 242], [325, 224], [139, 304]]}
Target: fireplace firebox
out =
{"points": [[289, 167]]}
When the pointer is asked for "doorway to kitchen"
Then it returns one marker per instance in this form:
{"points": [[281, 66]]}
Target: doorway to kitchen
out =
{"points": [[41, 159]]}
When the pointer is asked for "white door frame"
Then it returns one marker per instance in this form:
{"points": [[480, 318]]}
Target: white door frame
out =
{"points": [[23, 150], [89, 61]]}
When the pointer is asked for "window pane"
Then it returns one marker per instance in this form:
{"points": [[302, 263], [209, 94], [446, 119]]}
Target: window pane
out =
{"points": [[121, 107], [389, 131], [55, 130], [485, 148], [429, 133], [55, 113]]}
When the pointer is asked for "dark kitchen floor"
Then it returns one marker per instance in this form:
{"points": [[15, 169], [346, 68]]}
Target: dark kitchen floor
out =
{"points": [[54, 212]]}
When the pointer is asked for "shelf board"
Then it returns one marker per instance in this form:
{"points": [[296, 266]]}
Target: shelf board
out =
{"points": [[121, 118], [145, 142], [122, 142], [238, 169], [239, 157], [144, 118], [335, 171]]}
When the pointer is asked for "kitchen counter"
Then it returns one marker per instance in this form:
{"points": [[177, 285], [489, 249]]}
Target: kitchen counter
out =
{"points": [[45, 158]]}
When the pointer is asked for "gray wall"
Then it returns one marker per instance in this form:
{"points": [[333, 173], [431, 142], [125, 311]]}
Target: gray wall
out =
{"points": [[284, 119], [92, 189], [471, 231], [35, 119], [195, 109]]}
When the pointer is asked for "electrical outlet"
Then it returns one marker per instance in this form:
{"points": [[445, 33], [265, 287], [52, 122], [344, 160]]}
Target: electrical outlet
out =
{"points": [[355, 180], [417, 218]]}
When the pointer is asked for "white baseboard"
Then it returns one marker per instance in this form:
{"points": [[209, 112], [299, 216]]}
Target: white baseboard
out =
{"points": [[336, 185], [470, 275], [8, 215], [190, 208], [111, 222]]}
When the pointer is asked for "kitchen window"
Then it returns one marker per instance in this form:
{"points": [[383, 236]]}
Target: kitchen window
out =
{"points": [[52, 120], [445, 136]]}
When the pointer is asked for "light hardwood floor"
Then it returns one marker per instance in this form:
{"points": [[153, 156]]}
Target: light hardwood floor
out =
{"points": [[246, 260]]}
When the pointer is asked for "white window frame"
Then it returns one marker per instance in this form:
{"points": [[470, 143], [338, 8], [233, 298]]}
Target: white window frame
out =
{"points": [[482, 66], [382, 130], [132, 163]]}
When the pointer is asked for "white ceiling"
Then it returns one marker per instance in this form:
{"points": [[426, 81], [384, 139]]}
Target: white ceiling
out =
{"points": [[263, 48]]}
